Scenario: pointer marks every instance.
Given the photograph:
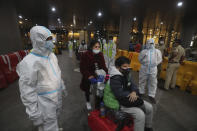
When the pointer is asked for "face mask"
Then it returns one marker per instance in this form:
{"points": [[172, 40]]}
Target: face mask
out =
{"points": [[49, 45], [125, 72], [96, 51]]}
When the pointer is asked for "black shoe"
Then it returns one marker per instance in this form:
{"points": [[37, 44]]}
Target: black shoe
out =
{"points": [[152, 100], [148, 129]]}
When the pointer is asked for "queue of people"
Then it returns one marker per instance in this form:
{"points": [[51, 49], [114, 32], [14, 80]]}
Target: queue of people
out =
{"points": [[41, 85]]}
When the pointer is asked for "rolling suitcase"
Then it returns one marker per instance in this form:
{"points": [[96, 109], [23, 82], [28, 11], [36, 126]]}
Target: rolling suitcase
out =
{"points": [[96, 123]]}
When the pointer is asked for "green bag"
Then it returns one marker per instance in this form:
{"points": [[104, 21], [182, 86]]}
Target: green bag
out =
{"points": [[109, 98]]}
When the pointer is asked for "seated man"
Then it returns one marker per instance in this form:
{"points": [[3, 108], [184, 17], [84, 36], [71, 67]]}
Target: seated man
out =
{"points": [[126, 93]]}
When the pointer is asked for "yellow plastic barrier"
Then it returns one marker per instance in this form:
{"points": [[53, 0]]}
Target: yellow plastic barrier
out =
{"points": [[135, 64], [193, 87], [125, 53], [186, 77], [130, 55], [164, 68], [191, 67], [118, 53]]}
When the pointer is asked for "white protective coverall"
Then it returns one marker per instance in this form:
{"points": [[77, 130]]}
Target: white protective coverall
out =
{"points": [[70, 48], [149, 59], [109, 52], [40, 82]]}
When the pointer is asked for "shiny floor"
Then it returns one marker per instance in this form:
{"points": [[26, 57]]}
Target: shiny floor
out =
{"points": [[175, 110]]}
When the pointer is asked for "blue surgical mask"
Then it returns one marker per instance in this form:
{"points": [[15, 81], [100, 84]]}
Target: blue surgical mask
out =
{"points": [[49, 45]]}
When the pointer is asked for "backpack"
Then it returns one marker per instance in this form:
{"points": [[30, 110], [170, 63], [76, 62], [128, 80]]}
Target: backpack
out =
{"points": [[109, 99]]}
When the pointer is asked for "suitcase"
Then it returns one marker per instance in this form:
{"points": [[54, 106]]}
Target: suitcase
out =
{"points": [[97, 123]]}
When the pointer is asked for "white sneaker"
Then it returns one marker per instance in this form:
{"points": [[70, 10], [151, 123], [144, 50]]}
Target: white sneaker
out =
{"points": [[89, 107]]}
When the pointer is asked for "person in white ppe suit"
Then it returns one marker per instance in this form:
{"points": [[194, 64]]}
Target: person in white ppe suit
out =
{"points": [[83, 47], [109, 51], [149, 58], [40, 81], [70, 48]]}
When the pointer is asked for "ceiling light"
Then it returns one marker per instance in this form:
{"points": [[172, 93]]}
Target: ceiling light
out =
{"points": [[134, 19], [20, 16], [53, 9], [99, 14], [91, 22], [192, 43], [58, 19], [20, 22], [161, 23], [71, 25], [26, 19], [180, 4]]}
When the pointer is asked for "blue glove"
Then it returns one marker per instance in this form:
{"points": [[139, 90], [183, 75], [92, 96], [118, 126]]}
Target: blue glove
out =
{"points": [[100, 78], [93, 81]]}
